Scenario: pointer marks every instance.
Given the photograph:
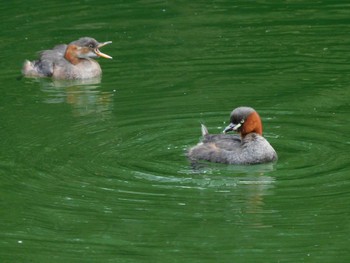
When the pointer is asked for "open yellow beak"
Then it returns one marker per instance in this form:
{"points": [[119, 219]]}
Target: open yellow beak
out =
{"points": [[99, 53]]}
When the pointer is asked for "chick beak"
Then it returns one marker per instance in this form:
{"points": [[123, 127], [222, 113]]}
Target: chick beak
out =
{"points": [[99, 53]]}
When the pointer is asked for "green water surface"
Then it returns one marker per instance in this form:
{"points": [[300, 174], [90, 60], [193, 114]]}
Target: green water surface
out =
{"points": [[96, 171]]}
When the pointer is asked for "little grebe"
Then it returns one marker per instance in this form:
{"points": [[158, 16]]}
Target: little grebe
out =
{"points": [[248, 148], [72, 61]]}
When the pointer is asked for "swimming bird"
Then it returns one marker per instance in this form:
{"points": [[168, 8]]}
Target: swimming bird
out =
{"points": [[249, 147], [72, 61]]}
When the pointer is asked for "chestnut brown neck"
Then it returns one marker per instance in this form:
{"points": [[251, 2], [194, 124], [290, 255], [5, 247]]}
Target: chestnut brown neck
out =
{"points": [[252, 124], [71, 54]]}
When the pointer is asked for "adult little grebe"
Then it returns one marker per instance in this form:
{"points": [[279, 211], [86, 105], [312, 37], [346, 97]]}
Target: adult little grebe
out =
{"points": [[248, 148]]}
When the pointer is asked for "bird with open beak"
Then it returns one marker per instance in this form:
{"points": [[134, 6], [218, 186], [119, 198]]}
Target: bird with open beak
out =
{"points": [[72, 61]]}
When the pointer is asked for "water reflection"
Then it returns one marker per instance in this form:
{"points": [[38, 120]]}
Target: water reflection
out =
{"points": [[243, 187], [242, 196], [84, 96], [207, 167]]}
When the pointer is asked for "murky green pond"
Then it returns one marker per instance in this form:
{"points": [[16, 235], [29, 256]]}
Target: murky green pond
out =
{"points": [[96, 172]]}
